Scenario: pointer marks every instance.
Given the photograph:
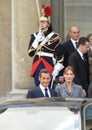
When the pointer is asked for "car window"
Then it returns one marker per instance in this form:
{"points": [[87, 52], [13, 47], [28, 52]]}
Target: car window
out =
{"points": [[40, 118], [88, 116]]}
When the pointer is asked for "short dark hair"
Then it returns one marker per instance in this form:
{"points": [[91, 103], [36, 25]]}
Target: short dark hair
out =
{"points": [[45, 71], [82, 41]]}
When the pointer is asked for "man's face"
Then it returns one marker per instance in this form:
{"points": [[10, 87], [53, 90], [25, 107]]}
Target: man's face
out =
{"points": [[45, 79], [75, 33], [43, 25], [85, 48]]}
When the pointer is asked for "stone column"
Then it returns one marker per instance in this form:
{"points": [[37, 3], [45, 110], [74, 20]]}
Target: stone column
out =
{"points": [[5, 48], [24, 23]]}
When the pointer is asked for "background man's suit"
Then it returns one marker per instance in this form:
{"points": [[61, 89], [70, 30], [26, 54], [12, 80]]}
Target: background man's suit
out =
{"points": [[37, 93], [68, 50], [81, 68]]}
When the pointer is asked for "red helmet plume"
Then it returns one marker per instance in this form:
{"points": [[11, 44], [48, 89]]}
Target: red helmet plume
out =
{"points": [[47, 11]]}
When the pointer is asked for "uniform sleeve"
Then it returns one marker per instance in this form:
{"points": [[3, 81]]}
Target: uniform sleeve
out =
{"points": [[60, 53], [31, 50], [57, 47]]}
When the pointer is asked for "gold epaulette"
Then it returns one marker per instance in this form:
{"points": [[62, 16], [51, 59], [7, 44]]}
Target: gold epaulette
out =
{"points": [[61, 60], [57, 34], [54, 39]]}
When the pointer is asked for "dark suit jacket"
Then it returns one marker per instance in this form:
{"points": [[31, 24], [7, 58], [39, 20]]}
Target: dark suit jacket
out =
{"points": [[81, 68], [68, 50], [37, 93]]}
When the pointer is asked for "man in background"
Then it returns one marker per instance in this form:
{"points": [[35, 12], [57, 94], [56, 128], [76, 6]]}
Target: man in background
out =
{"points": [[80, 64], [71, 44]]}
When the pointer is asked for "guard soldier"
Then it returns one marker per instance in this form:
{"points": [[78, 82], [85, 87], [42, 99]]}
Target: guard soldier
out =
{"points": [[45, 46]]}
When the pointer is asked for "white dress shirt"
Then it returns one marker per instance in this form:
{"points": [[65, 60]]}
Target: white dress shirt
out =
{"points": [[81, 54], [43, 90], [74, 43]]}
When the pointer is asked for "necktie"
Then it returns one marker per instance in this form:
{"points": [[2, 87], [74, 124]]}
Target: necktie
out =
{"points": [[46, 93], [76, 43], [84, 57]]}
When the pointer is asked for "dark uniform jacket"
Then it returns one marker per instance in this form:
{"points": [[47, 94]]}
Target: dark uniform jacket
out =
{"points": [[51, 47]]}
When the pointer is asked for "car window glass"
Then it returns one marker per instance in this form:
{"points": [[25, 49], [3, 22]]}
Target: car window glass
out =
{"points": [[40, 118], [88, 117]]}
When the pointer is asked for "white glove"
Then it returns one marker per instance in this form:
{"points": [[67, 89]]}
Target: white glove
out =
{"points": [[54, 74], [57, 68], [37, 39]]}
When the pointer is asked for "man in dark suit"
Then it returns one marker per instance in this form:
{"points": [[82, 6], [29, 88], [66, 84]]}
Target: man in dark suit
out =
{"points": [[71, 45], [43, 89], [80, 64]]}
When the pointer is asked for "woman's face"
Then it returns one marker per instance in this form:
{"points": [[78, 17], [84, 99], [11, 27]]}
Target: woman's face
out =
{"points": [[69, 76]]}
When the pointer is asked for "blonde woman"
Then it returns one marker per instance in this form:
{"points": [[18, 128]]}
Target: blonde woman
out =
{"points": [[69, 88]]}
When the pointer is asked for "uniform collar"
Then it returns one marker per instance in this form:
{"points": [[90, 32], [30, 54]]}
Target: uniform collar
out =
{"points": [[46, 33]]}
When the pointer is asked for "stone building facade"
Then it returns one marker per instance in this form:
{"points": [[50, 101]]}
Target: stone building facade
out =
{"points": [[18, 20]]}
